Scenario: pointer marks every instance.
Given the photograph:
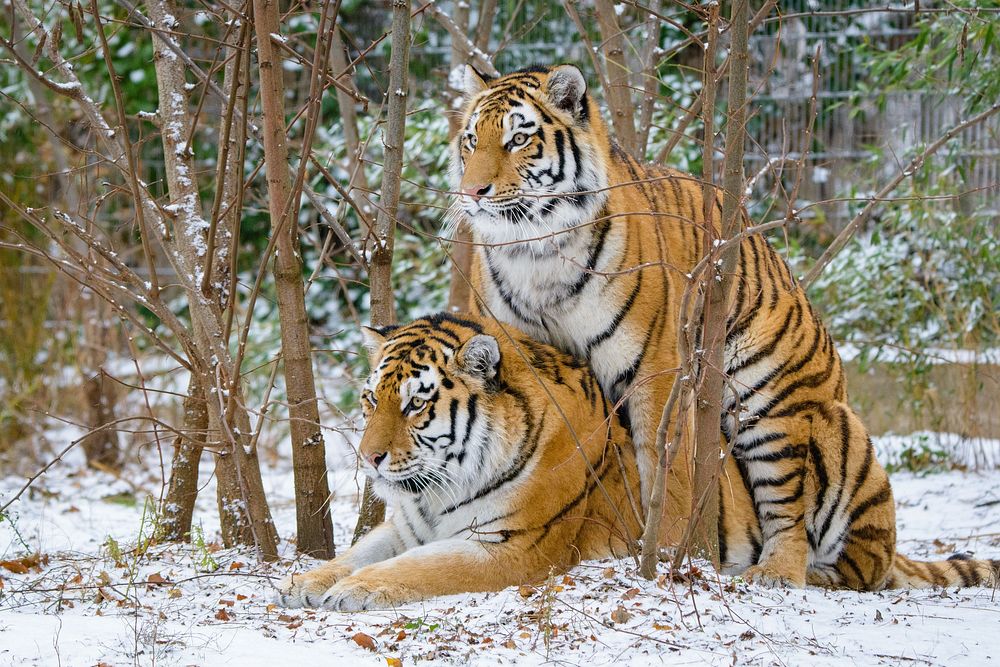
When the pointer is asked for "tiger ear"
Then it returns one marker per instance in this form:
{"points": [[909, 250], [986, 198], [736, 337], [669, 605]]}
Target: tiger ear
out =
{"points": [[475, 82], [480, 357], [374, 340], [566, 88]]}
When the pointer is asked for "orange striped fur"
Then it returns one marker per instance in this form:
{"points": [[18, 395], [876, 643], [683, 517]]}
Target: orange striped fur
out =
{"points": [[502, 461], [472, 439], [587, 249]]}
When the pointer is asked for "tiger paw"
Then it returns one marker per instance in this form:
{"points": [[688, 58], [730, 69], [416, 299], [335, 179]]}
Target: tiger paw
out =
{"points": [[358, 594], [307, 589], [765, 574]]}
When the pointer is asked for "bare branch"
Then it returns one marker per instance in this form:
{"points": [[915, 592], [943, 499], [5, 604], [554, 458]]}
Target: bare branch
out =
{"points": [[865, 213]]}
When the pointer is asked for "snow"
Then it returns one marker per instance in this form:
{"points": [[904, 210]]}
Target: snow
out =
{"points": [[70, 87], [933, 355], [456, 78], [820, 175], [188, 604]]}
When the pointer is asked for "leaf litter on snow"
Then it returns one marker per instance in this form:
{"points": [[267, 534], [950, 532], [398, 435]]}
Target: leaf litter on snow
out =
{"points": [[69, 596]]}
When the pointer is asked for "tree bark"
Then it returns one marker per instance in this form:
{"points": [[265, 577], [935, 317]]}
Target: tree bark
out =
{"points": [[348, 115], [616, 65], [648, 81], [178, 505], [244, 513], [484, 24], [383, 310], [312, 490], [704, 526], [182, 491], [459, 293], [101, 446]]}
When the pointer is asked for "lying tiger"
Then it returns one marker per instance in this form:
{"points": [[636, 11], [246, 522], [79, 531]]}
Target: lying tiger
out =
{"points": [[474, 448], [488, 447]]}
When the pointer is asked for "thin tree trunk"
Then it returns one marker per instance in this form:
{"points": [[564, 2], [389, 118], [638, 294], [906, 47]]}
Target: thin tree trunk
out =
{"points": [[244, 514], [348, 115], [101, 446], [648, 81], [704, 526], [182, 492], [383, 310], [312, 491], [616, 65], [459, 293], [484, 24]]}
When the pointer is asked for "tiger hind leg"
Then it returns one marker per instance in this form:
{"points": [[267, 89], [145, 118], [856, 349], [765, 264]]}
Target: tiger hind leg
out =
{"points": [[772, 455], [852, 524]]}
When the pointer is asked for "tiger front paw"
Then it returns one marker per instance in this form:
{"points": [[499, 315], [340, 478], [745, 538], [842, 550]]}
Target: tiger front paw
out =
{"points": [[306, 589], [361, 594], [766, 574]]}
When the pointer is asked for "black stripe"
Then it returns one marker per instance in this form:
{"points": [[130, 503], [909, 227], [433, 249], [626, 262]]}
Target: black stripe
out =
{"points": [[596, 246], [618, 318]]}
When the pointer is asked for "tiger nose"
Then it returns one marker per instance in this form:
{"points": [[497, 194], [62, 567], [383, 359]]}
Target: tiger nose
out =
{"points": [[477, 191], [375, 458]]}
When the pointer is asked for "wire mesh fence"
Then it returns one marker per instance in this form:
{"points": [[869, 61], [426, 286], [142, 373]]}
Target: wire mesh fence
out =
{"points": [[852, 115]]}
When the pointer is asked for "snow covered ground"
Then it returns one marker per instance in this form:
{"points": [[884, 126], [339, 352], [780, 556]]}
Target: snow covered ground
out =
{"points": [[94, 599]]}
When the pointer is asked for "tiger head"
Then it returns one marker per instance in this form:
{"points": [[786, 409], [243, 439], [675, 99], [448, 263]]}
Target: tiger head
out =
{"points": [[425, 405], [528, 162]]}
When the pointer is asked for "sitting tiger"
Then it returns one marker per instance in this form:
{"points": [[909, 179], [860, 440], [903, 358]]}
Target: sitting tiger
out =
{"points": [[488, 447], [583, 247]]}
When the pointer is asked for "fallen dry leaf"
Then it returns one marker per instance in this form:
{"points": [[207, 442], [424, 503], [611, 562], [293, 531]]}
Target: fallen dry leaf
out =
{"points": [[174, 593], [25, 564], [222, 615], [364, 641], [609, 572], [393, 662], [630, 593], [620, 615], [236, 565], [156, 579], [510, 643], [15, 566], [525, 591]]}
